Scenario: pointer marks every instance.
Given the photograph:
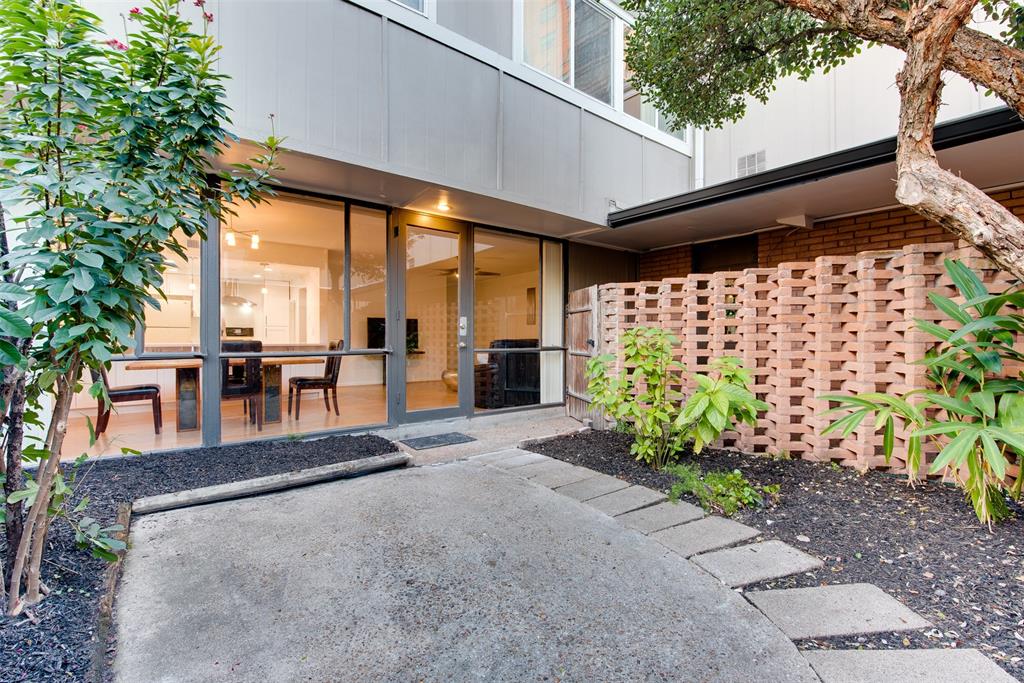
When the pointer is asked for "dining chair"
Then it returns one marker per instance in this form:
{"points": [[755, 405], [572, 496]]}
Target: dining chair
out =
{"points": [[136, 392], [328, 382], [243, 381]]}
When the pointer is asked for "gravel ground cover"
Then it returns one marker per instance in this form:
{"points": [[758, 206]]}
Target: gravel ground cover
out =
{"points": [[922, 545], [59, 643]]}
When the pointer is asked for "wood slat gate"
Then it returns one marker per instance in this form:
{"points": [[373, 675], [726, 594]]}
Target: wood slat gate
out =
{"points": [[583, 328]]}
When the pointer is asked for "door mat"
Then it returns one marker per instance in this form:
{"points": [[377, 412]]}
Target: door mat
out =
{"points": [[437, 440]]}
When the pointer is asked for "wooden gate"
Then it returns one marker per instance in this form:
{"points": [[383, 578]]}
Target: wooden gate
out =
{"points": [[583, 327]]}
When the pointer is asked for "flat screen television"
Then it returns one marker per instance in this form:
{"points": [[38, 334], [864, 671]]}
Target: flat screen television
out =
{"points": [[376, 338]]}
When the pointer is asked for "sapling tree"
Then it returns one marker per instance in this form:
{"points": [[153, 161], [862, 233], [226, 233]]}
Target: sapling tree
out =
{"points": [[699, 61], [107, 147], [646, 397]]}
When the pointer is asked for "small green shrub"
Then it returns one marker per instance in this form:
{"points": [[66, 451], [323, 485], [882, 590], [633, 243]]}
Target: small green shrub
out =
{"points": [[724, 492], [974, 416], [642, 399]]}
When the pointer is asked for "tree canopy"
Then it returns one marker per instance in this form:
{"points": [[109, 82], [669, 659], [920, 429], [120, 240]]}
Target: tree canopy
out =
{"points": [[699, 60]]}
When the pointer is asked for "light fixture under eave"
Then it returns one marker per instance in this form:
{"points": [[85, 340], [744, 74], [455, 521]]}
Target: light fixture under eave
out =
{"points": [[229, 237], [254, 240], [443, 206]]}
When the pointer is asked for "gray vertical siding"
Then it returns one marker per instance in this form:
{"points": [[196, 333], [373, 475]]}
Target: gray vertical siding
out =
{"points": [[663, 173], [611, 155], [347, 84], [488, 22], [541, 147], [443, 111]]}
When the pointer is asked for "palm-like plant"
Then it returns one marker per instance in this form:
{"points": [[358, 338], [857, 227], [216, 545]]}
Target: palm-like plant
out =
{"points": [[974, 414]]}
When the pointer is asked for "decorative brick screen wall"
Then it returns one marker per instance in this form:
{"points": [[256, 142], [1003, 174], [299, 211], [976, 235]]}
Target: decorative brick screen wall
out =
{"points": [[838, 324]]}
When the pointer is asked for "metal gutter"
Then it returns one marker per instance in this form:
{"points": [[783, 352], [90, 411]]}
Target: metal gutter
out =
{"points": [[950, 134]]}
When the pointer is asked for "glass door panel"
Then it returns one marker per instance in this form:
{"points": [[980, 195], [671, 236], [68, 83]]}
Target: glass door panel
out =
{"points": [[432, 319]]}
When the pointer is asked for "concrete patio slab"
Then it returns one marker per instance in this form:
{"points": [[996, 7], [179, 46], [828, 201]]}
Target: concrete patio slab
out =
{"points": [[537, 468], [841, 610], [593, 487], [703, 535], [625, 500], [451, 572], [661, 516], [747, 564], [525, 458], [906, 666]]}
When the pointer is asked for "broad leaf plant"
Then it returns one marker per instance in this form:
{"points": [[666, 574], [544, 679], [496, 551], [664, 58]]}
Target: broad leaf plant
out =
{"points": [[973, 414]]}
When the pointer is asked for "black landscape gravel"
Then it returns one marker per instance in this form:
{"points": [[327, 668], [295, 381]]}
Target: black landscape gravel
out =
{"points": [[59, 647], [922, 545]]}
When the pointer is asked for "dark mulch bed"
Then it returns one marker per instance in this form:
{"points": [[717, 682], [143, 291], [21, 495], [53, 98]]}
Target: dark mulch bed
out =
{"points": [[60, 646], [923, 545]]}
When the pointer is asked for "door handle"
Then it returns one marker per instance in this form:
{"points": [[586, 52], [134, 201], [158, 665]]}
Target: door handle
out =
{"points": [[462, 345]]}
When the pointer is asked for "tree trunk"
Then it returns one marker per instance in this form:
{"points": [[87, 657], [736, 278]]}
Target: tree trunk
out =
{"points": [[28, 559], [922, 184], [15, 478]]}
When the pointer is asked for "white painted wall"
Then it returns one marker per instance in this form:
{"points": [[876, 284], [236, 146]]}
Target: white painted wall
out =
{"points": [[855, 104]]}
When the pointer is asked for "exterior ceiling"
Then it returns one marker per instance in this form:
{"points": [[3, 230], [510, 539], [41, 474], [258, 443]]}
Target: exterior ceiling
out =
{"points": [[988, 163], [303, 171]]}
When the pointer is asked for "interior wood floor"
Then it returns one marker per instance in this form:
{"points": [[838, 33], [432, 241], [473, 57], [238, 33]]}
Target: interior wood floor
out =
{"points": [[132, 427]]}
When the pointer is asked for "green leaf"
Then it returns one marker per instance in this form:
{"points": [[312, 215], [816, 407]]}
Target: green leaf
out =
{"points": [[966, 281], [13, 325], [9, 354], [993, 455]]}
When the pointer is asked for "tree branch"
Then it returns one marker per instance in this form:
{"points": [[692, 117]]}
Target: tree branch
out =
{"points": [[978, 57]]}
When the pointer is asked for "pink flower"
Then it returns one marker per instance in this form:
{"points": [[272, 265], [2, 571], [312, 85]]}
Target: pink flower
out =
{"points": [[199, 3], [135, 10], [117, 44], [208, 16]]}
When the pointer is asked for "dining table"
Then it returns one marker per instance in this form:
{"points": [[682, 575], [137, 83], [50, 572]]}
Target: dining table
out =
{"points": [[187, 394]]}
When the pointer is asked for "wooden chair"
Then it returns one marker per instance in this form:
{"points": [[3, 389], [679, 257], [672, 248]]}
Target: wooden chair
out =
{"points": [[244, 381], [329, 383], [137, 392]]}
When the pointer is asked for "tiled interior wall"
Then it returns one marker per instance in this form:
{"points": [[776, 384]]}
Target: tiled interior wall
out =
{"points": [[833, 325]]}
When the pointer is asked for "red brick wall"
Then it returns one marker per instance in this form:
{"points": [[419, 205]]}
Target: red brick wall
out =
{"points": [[887, 229], [663, 263]]}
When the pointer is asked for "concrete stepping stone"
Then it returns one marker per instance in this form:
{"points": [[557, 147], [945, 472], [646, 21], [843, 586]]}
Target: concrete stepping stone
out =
{"points": [[496, 456], [554, 473], [526, 458], [710, 533], [563, 476], [597, 485], [661, 516], [905, 666], [840, 610], [624, 500], [749, 564]]}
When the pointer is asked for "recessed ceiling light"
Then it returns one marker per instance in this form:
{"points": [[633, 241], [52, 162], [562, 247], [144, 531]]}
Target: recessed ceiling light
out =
{"points": [[257, 275], [443, 206]]}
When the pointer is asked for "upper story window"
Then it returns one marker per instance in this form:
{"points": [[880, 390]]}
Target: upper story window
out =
{"points": [[593, 54], [573, 41], [637, 106], [546, 37], [418, 5]]}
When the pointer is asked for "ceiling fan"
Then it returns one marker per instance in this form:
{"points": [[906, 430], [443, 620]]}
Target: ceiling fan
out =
{"points": [[476, 272]]}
